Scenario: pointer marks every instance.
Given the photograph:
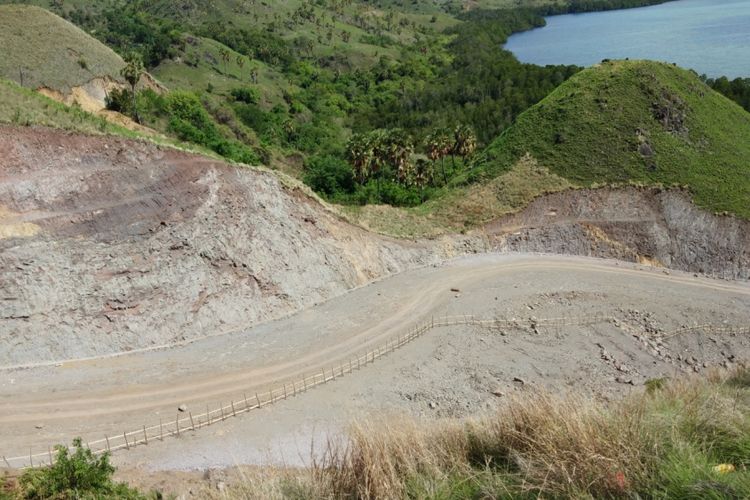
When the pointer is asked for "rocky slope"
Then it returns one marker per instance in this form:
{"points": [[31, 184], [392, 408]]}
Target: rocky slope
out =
{"points": [[649, 225], [109, 245]]}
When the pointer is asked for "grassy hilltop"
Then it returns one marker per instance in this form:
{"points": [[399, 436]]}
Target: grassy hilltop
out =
{"points": [[47, 51], [618, 123], [637, 122]]}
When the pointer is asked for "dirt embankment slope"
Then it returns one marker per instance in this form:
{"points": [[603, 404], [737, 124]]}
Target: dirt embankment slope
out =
{"points": [[646, 225], [111, 245]]}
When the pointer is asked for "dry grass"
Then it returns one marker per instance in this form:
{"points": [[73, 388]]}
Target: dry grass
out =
{"points": [[463, 208], [660, 443]]}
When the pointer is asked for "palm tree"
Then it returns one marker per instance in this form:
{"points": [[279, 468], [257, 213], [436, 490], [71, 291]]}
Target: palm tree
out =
{"points": [[241, 64], [224, 53], [359, 153], [465, 141], [439, 144], [378, 146], [399, 149], [132, 73], [422, 174]]}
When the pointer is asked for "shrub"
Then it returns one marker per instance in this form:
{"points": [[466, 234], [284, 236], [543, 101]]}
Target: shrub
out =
{"points": [[120, 100], [74, 476], [246, 95], [329, 176], [191, 122]]}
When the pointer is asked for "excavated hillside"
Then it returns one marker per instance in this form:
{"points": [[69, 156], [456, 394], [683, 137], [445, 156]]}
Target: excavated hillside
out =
{"points": [[109, 245], [648, 225]]}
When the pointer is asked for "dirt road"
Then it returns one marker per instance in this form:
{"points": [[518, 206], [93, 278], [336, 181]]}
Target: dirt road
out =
{"points": [[448, 372]]}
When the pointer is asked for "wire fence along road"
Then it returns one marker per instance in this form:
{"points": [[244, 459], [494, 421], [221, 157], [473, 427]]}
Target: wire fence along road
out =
{"points": [[187, 421]]}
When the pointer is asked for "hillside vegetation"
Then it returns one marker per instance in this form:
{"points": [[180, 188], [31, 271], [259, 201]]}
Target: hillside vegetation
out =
{"points": [[415, 104], [40, 49], [636, 122]]}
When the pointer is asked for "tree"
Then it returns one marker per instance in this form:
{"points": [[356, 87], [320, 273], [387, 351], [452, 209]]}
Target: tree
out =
{"points": [[359, 153], [438, 145], [465, 141], [132, 73], [225, 56], [240, 63], [398, 149]]}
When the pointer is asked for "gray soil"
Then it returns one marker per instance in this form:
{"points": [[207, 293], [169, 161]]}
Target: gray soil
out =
{"points": [[115, 246], [137, 279], [448, 372]]}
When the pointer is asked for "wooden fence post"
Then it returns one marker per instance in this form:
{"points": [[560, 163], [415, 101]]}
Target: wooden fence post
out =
{"points": [[6, 462], [192, 424], [258, 400], [49, 450], [106, 438], [127, 446], [31, 459], [161, 430], [221, 406], [247, 406], [177, 424], [284, 391], [208, 415], [145, 436]]}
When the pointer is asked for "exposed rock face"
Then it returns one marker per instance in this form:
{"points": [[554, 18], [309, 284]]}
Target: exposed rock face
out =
{"points": [[109, 245], [652, 226], [112, 245]]}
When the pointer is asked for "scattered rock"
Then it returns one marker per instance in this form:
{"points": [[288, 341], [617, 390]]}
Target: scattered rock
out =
{"points": [[519, 380], [433, 405], [498, 393], [182, 408]]}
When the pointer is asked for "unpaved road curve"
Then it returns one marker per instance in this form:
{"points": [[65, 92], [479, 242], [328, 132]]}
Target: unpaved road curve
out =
{"points": [[91, 398]]}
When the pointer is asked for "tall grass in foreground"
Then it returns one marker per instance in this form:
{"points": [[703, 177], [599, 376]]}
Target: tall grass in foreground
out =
{"points": [[665, 442]]}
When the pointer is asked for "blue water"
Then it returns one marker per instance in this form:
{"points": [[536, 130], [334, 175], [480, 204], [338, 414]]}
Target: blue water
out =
{"points": [[709, 36]]}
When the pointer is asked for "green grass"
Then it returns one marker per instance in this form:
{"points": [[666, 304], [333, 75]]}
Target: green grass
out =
{"points": [[458, 209], [23, 107], [201, 66], [596, 127], [46, 51]]}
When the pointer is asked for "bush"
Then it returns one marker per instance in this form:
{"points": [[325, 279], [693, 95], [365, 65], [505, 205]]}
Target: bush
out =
{"points": [[191, 122], [120, 100], [329, 176], [246, 95], [74, 476]]}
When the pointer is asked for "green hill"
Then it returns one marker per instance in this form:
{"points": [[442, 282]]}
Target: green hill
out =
{"points": [[636, 122], [40, 49]]}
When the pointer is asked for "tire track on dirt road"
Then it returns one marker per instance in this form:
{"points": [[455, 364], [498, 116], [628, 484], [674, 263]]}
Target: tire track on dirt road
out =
{"points": [[339, 345]]}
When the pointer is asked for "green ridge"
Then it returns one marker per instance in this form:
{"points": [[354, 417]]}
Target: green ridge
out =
{"points": [[636, 122], [44, 50]]}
